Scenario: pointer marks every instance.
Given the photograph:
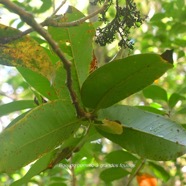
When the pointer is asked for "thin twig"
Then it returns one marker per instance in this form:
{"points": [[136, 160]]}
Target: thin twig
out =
{"points": [[73, 176], [29, 19], [53, 22], [12, 97], [135, 172], [55, 12]]}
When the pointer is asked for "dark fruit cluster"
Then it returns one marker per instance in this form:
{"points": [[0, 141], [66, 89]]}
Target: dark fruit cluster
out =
{"points": [[126, 17]]}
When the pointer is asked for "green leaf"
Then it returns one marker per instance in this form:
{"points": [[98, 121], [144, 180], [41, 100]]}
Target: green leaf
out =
{"points": [[152, 109], [178, 28], [180, 42], [181, 54], [159, 171], [24, 52], [39, 166], [38, 132], [114, 173], [155, 92], [39, 83], [124, 156], [54, 89], [46, 4], [148, 135], [157, 17], [174, 98], [180, 4], [122, 78], [58, 184], [16, 106], [17, 119], [76, 42], [59, 83]]}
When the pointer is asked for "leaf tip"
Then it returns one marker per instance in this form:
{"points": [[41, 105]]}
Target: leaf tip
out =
{"points": [[168, 56]]}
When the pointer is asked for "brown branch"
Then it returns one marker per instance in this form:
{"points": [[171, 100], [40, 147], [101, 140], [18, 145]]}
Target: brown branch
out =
{"points": [[29, 19], [53, 22]]}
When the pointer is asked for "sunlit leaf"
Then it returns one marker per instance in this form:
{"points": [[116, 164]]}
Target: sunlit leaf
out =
{"points": [[24, 52], [39, 83], [77, 43], [16, 106], [38, 132]]}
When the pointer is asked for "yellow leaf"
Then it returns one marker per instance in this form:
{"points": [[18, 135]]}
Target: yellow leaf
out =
{"points": [[113, 127], [24, 52]]}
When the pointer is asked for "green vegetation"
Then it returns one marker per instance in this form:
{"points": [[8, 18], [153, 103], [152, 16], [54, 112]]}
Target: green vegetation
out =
{"points": [[99, 101]]}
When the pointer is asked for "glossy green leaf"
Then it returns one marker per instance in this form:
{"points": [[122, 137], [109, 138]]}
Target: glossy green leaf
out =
{"points": [[38, 132], [146, 134], [155, 92], [119, 79], [114, 173], [24, 52], [16, 106], [174, 98]]}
